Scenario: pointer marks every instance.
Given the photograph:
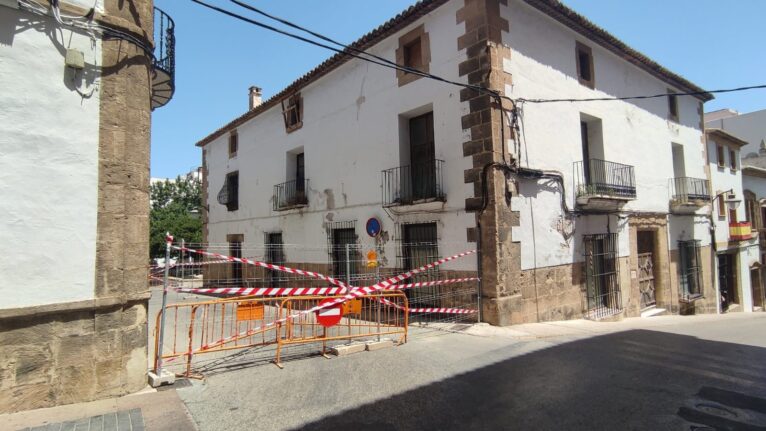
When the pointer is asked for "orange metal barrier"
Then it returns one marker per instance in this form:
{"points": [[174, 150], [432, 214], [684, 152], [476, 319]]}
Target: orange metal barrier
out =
{"points": [[365, 317], [192, 329]]}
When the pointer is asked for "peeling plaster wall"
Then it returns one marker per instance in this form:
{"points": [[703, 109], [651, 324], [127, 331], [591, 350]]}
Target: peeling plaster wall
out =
{"points": [[48, 166], [637, 133], [350, 134]]}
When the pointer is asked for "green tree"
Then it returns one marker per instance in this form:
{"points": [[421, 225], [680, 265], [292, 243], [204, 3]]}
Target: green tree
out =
{"points": [[176, 208]]}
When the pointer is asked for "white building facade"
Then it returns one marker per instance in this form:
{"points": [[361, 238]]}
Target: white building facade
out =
{"points": [[74, 133], [595, 209]]}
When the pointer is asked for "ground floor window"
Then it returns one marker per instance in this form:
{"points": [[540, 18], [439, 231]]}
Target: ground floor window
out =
{"points": [[690, 267], [602, 275], [275, 253], [419, 247], [235, 250], [341, 238]]}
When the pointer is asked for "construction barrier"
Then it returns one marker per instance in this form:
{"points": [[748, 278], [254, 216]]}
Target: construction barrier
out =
{"points": [[220, 326]]}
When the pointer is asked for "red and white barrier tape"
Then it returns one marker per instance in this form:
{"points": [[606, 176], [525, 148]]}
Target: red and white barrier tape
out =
{"points": [[287, 291], [265, 265], [176, 265], [356, 293], [442, 310], [266, 291]]}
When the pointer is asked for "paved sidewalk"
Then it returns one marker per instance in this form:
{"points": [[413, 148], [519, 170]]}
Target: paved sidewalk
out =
{"points": [[151, 410]]}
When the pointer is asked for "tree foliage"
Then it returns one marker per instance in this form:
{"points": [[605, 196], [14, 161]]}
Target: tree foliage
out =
{"points": [[176, 207]]}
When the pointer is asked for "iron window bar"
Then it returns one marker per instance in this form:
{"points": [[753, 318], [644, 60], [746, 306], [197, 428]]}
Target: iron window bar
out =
{"points": [[602, 281], [690, 269]]}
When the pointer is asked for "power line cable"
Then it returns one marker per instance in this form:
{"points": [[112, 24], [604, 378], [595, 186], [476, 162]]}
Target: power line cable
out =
{"points": [[653, 96], [348, 51]]}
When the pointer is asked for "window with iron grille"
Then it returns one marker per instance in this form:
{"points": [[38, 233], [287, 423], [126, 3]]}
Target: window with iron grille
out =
{"points": [[341, 243], [229, 193], [275, 253], [602, 279], [690, 267], [235, 250], [420, 247], [292, 111]]}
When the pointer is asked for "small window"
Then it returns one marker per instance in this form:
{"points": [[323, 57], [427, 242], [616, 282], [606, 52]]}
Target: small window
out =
{"points": [[721, 206], [585, 72], [233, 144], [292, 111], [229, 193], [732, 159], [691, 264], [672, 106], [414, 52], [721, 152]]}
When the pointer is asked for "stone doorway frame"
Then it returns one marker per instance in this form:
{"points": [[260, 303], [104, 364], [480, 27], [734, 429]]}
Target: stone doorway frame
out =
{"points": [[663, 289]]}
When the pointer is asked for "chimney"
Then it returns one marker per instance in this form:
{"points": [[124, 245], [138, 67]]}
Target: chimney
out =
{"points": [[255, 97]]}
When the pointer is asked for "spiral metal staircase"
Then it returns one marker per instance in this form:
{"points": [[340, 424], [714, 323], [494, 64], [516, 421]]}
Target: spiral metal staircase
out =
{"points": [[164, 63]]}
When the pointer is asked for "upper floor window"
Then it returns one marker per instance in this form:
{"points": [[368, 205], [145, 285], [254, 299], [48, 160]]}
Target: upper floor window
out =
{"points": [[585, 73], [720, 151], [229, 193], [414, 51], [233, 144], [732, 159], [292, 111], [721, 205], [672, 106]]}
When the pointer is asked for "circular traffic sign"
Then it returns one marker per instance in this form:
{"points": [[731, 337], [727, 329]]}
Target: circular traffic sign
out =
{"points": [[373, 227], [329, 316]]}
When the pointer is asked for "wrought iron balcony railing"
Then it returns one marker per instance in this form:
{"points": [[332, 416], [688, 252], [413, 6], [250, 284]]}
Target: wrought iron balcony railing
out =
{"points": [[291, 194], [689, 190], [604, 179], [164, 62], [415, 183]]}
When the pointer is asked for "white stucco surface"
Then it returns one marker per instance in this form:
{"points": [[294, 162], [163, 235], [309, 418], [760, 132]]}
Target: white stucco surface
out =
{"points": [[350, 133], [750, 127], [637, 133], [48, 166]]}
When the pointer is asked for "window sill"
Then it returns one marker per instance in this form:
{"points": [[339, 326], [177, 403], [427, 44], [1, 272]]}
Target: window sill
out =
{"points": [[692, 299], [294, 127]]}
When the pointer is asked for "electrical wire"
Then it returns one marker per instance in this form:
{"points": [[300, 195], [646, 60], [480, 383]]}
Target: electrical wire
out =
{"points": [[653, 96], [348, 50]]}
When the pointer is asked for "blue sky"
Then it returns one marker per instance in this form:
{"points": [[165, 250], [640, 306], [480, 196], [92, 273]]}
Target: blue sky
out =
{"points": [[713, 43]]}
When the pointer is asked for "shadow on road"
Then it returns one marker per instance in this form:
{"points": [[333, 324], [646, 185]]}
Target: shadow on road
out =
{"points": [[630, 380]]}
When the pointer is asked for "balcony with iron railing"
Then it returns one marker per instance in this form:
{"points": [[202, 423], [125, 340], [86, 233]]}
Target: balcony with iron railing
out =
{"points": [[413, 184], [600, 184], [688, 194], [164, 62], [290, 194]]}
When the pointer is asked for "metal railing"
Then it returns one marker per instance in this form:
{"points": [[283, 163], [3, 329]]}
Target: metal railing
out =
{"points": [[687, 189], [405, 185], [602, 277], [164, 61], [290, 194], [603, 178]]}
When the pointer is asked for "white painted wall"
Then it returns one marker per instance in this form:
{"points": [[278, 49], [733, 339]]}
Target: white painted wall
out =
{"points": [[637, 133], [48, 166], [350, 134], [750, 127]]}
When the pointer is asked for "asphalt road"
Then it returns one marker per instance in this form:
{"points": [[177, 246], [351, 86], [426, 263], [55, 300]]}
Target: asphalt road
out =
{"points": [[686, 373]]}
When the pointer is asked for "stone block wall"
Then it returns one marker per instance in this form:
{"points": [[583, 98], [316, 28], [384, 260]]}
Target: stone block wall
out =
{"points": [[68, 356], [73, 352]]}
